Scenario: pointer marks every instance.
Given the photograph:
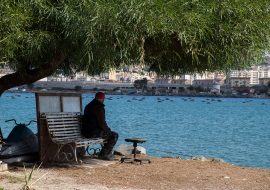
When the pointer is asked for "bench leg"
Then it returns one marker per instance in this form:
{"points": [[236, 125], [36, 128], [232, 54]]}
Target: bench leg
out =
{"points": [[75, 153], [59, 147]]}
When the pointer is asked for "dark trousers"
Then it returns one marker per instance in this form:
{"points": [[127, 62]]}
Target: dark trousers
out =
{"points": [[111, 138]]}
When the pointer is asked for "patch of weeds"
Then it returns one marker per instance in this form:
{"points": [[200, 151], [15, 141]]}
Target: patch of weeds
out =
{"points": [[14, 179], [2, 188], [28, 177]]}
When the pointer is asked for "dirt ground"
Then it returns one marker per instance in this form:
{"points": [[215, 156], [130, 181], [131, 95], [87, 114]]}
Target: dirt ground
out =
{"points": [[161, 173]]}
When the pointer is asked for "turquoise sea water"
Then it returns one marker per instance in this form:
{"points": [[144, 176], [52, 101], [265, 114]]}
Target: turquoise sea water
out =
{"points": [[235, 130]]}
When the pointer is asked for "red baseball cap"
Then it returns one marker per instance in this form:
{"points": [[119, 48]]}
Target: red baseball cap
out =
{"points": [[100, 95]]}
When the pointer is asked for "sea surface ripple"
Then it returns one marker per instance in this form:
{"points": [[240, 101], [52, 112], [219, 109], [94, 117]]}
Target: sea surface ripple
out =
{"points": [[235, 130]]}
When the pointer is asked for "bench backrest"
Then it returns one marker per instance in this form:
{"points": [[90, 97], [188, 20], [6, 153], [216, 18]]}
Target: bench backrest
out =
{"points": [[64, 126]]}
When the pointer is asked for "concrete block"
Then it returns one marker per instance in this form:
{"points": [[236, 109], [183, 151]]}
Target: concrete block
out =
{"points": [[3, 166]]}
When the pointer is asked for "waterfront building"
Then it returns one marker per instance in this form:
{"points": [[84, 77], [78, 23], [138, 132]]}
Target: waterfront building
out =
{"points": [[180, 81], [251, 76], [215, 88], [204, 76], [161, 81], [264, 81], [205, 83], [210, 81], [239, 81], [82, 76], [184, 79], [58, 78]]}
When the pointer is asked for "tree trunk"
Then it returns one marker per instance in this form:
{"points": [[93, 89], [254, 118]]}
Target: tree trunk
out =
{"points": [[17, 79]]}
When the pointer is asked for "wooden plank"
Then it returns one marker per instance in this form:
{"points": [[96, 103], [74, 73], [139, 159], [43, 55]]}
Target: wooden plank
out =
{"points": [[64, 125], [79, 142], [54, 115], [70, 133], [69, 138], [64, 129], [51, 122], [61, 129], [64, 120], [67, 132], [60, 137], [64, 114], [68, 122], [66, 139], [62, 117]]}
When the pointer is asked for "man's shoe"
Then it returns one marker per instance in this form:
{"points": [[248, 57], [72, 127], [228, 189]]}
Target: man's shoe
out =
{"points": [[109, 157]]}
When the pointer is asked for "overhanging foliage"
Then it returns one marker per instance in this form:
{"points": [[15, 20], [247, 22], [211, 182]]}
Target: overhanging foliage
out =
{"points": [[172, 37]]}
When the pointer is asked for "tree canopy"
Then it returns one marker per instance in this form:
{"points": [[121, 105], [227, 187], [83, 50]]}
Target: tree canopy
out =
{"points": [[41, 37]]}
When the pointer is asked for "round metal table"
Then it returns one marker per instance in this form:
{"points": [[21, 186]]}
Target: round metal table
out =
{"points": [[135, 142]]}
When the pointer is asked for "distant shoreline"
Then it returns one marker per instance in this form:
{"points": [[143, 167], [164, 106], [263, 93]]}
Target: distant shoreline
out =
{"points": [[138, 94]]}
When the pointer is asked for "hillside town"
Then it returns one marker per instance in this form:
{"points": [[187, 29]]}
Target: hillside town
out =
{"points": [[251, 82]]}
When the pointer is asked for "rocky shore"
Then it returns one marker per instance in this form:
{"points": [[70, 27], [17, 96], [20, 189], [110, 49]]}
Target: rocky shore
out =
{"points": [[162, 173]]}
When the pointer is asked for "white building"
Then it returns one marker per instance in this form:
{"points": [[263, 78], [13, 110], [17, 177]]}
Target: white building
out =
{"points": [[253, 74]]}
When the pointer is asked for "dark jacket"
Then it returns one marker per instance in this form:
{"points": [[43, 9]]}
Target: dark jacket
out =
{"points": [[94, 122]]}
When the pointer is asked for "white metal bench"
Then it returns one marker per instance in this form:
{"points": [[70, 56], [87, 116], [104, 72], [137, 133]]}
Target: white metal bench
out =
{"points": [[65, 129]]}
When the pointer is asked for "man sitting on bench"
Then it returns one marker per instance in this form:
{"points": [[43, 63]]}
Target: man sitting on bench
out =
{"points": [[94, 125]]}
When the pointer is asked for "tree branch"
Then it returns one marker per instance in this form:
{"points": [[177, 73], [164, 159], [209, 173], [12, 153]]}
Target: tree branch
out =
{"points": [[20, 78]]}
